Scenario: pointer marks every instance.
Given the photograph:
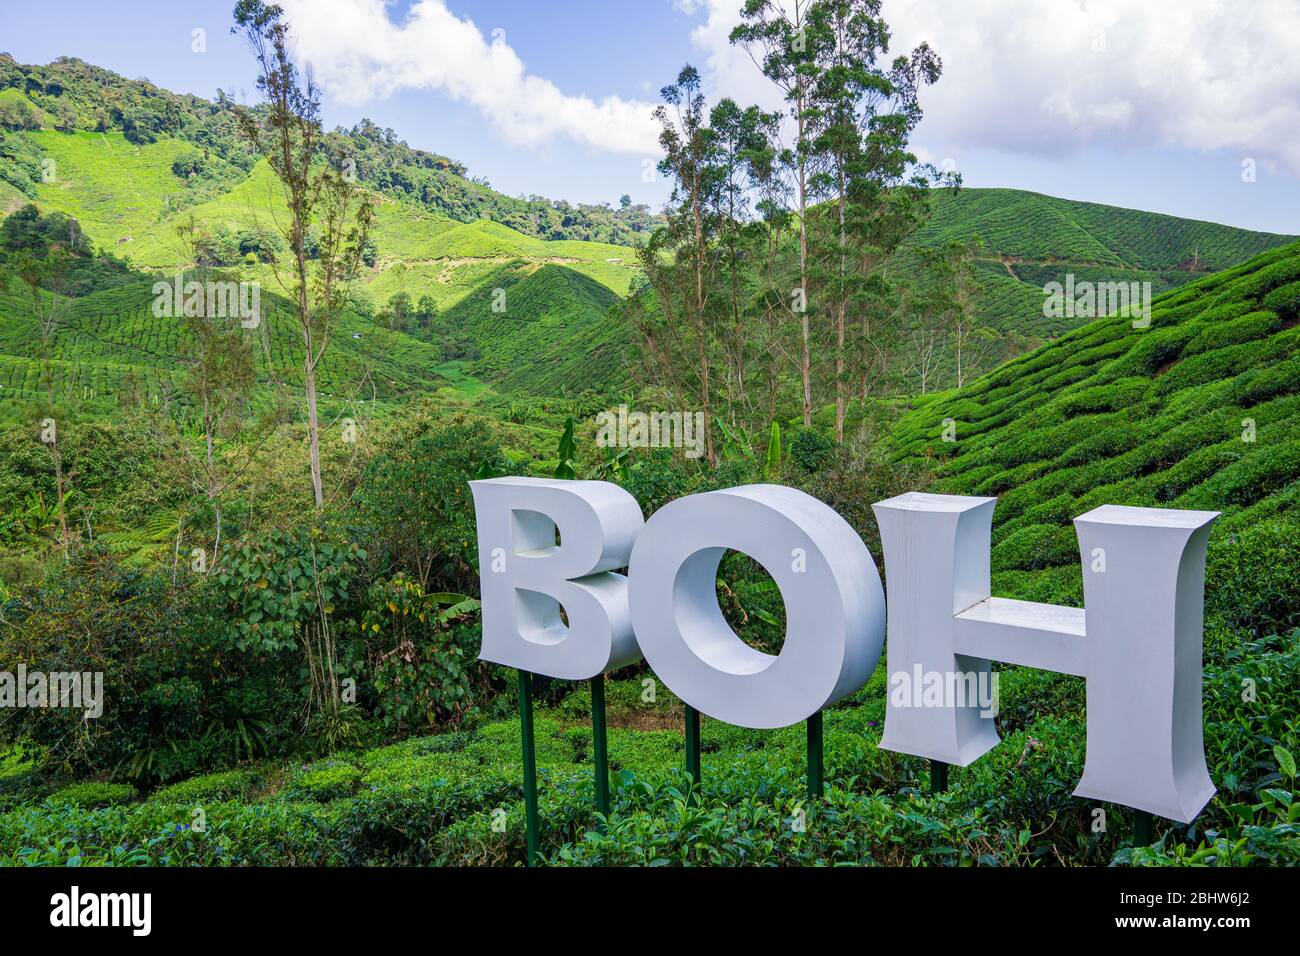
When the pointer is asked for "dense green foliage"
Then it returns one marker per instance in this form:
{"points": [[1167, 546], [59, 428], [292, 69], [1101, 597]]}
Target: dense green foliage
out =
{"points": [[456, 798], [1144, 397], [302, 623]]}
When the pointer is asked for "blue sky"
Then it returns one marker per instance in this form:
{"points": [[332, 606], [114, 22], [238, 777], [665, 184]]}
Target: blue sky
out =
{"points": [[1101, 106]]}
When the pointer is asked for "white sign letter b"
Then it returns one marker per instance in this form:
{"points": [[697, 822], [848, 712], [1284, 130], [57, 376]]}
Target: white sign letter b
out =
{"points": [[523, 595]]}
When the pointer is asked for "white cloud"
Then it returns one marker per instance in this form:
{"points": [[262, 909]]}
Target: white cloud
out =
{"points": [[359, 54], [1054, 76]]}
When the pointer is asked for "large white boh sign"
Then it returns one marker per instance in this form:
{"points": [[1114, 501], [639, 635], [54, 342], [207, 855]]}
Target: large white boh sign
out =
{"points": [[1137, 641]]}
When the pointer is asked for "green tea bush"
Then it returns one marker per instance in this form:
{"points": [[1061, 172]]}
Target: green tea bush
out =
{"points": [[445, 743], [1254, 576], [1255, 325], [1155, 348], [1221, 363], [210, 788], [1285, 300], [809, 449], [1264, 471], [324, 783], [1262, 384], [1260, 281], [457, 800], [1036, 546], [93, 794]]}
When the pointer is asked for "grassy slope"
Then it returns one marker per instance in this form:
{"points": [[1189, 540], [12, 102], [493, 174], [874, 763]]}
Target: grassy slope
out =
{"points": [[130, 204], [10, 198], [1156, 417], [1031, 239], [110, 337], [550, 304], [118, 191]]}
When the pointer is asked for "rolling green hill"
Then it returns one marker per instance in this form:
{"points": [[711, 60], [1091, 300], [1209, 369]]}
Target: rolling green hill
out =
{"points": [[1200, 411], [132, 163], [130, 203], [70, 94], [564, 309], [1030, 240], [1028, 226], [110, 342], [120, 192]]}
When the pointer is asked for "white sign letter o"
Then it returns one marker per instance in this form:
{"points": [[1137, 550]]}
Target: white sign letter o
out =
{"points": [[834, 604]]}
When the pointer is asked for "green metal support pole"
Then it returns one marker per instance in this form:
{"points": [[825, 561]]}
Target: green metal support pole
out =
{"points": [[530, 762], [938, 776], [815, 787], [1142, 828], [693, 743], [600, 748]]}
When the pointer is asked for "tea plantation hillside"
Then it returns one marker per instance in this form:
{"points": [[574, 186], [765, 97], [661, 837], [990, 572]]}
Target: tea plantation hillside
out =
{"points": [[1030, 240], [132, 163], [109, 343], [76, 144], [529, 328], [119, 195], [1200, 411], [561, 310], [1019, 243], [1029, 228]]}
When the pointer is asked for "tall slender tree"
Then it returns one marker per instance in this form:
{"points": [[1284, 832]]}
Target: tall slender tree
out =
{"points": [[878, 190], [771, 302], [220, 377], [776, 36], [288, 133], [678, 259], [744, 141], [956, 290]]}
